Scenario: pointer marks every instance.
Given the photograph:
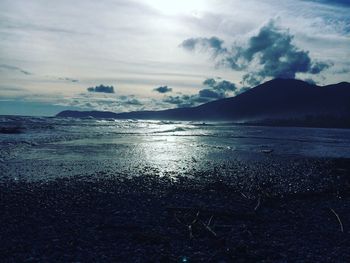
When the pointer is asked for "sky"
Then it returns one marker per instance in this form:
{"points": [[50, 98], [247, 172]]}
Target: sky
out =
{"points": [[119, 55]]}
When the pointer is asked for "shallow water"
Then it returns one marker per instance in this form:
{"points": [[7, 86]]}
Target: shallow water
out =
{"points": [[50, 147]]}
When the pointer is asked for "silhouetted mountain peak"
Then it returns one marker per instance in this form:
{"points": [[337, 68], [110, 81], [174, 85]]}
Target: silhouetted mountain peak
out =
{"points": [[280, 99], [289, 85]]}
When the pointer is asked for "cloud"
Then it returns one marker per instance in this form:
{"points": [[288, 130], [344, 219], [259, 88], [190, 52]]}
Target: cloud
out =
{"points": [[217, 89], [14, 68], [250, 79], [214, 89], [108, 102], [69, 79], [331, 2], [270, 53], [208, 93], [213, 44], [10, 88], [130, 100], [163, 89], [319, 66], [276, 55], [102, 89], [310, 81], [242, 90], [203, 96], [222, 85], [180, 101]]}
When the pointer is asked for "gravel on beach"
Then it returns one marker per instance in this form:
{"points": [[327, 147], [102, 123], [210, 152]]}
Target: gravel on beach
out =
{"points": [[244, 216]]}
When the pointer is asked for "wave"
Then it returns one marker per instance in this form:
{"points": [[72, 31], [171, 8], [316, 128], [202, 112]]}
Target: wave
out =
{"points": [[177, 129], [203, 124], [168, 122]]}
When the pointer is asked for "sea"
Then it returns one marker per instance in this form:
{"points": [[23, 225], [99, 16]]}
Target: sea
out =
{"points": [[50, 147]]}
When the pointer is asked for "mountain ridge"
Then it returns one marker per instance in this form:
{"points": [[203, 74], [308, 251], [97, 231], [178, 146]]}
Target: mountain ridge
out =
{"points": [[278, 99]]}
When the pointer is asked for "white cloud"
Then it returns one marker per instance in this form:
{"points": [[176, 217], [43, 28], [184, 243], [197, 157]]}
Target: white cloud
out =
{"points": [[135, 43]]}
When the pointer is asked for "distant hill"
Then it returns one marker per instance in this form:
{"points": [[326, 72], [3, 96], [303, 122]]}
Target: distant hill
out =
{"points": [[276, 102]]}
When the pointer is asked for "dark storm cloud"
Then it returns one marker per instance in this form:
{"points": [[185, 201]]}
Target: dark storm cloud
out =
{"points": [[209, 82], [278, 56], [163, 89], [331, 2], [213, 44], [250, 79], [272, 49], [203, 96], [13, 68], [213, 90], [222, 85], [180, 100], [319, 66], [102, 89], [208, 93], [217, 88]]}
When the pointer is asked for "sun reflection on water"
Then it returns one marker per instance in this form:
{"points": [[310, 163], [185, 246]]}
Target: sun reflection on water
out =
{"points": [[170, 149]]}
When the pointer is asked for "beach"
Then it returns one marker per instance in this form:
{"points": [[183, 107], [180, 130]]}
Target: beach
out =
{"points": [[70, 201], [153, 219]]}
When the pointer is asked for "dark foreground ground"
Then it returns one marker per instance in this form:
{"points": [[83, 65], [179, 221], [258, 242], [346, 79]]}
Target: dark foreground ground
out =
{"points": [[208, 217]]}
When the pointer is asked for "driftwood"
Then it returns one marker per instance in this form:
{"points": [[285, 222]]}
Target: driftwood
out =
{"points": [[340, 222], [207, 227], [258, 204], [195, 221]]}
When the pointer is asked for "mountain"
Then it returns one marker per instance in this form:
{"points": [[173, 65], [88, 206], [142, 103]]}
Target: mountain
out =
{"points": [[276, 102]]}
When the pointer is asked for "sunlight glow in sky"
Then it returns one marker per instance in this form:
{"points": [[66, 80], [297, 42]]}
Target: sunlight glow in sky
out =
{"points": [[52, 52], [193, 7]]}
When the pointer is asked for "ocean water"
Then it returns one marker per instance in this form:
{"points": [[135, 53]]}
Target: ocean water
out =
{"points": [[54, 147]]}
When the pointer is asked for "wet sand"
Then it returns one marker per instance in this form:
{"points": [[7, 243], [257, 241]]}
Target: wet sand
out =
{"points": [[290, 210]]}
